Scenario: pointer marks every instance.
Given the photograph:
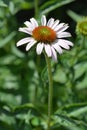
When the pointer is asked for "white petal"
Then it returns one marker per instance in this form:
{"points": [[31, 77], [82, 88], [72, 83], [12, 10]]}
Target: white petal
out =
{"points": [[55, 24], [34, 23], [29, 25], [63, 28], [54, 55], [39, 48], [50, 22], [59, 26], [25, 30], [63, 34], [43, 20], [24, 41], [29, 45], [63, 44], [58, 48], [67, 42], [48, 50]]}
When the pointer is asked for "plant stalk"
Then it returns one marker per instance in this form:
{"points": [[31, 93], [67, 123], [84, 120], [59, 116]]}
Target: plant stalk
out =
{"points": [[50, 93], [36, 2]]}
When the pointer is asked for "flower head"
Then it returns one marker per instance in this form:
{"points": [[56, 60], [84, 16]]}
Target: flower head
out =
{"points": [[47, 36], [82, 26]]}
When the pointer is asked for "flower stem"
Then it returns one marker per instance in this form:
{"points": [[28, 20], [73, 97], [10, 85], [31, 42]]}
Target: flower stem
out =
{"points": [[36, 8], [50, 94], [36, 13]]}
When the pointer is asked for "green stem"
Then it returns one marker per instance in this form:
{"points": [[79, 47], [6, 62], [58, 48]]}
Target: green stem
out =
{"points": [[36, 8], [50, 93]]}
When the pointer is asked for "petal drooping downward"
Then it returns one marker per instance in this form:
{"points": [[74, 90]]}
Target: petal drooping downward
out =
{"points": [[48, 50], [29, 45], [24, 41], [39, 48]]}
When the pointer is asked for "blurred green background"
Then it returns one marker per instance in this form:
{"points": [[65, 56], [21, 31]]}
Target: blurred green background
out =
{"points": [[23, 75]]}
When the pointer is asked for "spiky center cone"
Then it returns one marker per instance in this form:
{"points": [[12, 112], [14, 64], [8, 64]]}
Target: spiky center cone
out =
{"points": [[44, 34]]}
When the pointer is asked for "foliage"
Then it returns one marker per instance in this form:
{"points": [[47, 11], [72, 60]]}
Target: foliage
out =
{"points": [[23, 75]]}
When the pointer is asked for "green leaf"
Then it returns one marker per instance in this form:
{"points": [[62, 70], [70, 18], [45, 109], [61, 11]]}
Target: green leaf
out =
{"points": [[82, 84], [74, 16], [60, 76], [78, 111], [8, 80], [24, 107], [7, 59], [51, 5], [69, 123], [11, 7], [74, 110], [7, 39], [17, 52], [8, 119], [2, 4], [10, 99], [17, 5], [80, 69]]}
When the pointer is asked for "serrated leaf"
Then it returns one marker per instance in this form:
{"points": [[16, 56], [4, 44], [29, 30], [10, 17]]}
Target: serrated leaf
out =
{"points": [[51, 5]]}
